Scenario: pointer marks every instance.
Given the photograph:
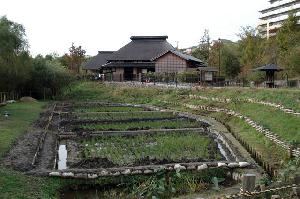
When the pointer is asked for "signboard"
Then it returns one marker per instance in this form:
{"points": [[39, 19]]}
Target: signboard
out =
{"points": [[144, 71], [208, 76]]}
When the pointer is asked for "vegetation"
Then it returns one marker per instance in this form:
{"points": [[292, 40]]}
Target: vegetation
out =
{"points": [[39, 76], [279, 121], [126, 115], [14, 184], [108, 109], [142, 125], [237, 59], [21, 116], [284, 125], [172, 147]]}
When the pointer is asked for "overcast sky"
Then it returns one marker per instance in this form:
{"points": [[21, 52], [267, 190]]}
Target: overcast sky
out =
{"points": [[52, 25]]}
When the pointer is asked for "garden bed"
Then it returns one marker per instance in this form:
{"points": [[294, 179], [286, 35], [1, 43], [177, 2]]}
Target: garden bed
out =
{"points": [[143, 150]]}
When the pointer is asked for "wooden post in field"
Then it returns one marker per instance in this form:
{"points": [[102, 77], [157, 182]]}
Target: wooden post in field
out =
{"points": [[248, 182]]}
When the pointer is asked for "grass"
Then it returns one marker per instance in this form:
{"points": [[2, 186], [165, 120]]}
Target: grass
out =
{"points": [[21, 116], [283, 124], [126, 115], [290, 98], [14, 184], [142, 125], [108, 109], [271, 153], [173, 147]]}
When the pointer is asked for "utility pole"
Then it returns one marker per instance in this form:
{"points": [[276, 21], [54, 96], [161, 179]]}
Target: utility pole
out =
{"points": [[219, 57]]}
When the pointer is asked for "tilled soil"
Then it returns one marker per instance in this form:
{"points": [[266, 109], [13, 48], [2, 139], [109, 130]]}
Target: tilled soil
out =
{"points": [[21, 155]]}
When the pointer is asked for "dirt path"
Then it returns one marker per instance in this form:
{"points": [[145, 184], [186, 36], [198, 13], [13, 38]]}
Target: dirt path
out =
{"points": [[47, 154]]}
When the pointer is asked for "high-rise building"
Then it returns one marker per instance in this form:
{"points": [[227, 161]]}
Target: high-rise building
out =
{"points": [[273, 16]]}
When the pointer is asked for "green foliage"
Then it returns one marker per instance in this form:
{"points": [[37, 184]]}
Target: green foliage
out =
{"points": [[21, 116], [251, 49], [19, 71], [125, 115], [87, 109], [142, 125], [159, 147], [14, 58], [230, 63], [188, 77], [48, 75], [202, 52]]}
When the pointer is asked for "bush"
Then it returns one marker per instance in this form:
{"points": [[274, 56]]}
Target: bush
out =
{"points": [[48, 77], [189, 77]]}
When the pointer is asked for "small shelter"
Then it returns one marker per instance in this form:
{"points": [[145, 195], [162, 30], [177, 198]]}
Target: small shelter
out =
{"points": [[270, 70], [207, 74]]}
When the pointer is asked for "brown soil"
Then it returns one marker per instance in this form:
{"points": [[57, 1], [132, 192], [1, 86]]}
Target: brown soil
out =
{"points": [[27, 99]]}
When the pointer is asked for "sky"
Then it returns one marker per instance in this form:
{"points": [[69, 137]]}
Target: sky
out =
{"points": [[52, 25]]}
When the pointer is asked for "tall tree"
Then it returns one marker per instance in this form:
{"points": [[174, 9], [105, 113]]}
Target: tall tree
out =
{"points": [[14, 57], [75, 58], [251, 47], [202, 52], [230, 63]]}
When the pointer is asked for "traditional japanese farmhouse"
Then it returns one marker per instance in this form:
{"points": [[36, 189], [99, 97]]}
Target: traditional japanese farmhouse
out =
{"points": [[95, 63], [142, 55]]}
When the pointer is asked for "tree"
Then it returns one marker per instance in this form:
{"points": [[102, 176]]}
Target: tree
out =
{"points": [[251, 48], [230, 63], [75, 58], [15, 60], [202, 52]]}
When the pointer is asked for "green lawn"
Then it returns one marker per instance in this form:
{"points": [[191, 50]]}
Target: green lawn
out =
{"points": [[21, 116]]}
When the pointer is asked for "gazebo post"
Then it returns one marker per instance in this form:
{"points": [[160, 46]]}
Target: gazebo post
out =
{"points": [[270, 70]]}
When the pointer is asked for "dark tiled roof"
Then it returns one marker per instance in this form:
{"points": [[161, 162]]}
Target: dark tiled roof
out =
{"points": [[269, 67], [142, 48], [98, 61]]}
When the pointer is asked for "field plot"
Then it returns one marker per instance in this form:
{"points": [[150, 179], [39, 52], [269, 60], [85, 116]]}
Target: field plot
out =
{"points": [[107, 109], [126, 115], [134, 136], [141, 125], [148, 149]]}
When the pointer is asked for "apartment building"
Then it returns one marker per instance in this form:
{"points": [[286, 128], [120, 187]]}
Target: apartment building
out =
{"points": [[272, 17]]}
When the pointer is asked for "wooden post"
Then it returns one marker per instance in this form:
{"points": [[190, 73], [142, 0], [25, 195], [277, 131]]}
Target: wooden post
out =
{"points": [[249, 182]]}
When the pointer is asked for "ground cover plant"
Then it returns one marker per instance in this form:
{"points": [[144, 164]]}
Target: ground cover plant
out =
{"points": [[126, 115], [285, 125], [172, 147], [141, 125], [107, 109], [275, 120], [21, 115], [14, 184]]}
